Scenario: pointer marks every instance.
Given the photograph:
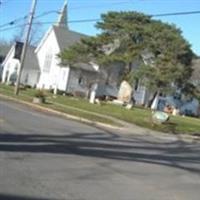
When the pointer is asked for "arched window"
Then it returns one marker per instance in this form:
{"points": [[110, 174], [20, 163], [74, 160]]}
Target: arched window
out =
{"points": [[48, 61], [81, 81]]}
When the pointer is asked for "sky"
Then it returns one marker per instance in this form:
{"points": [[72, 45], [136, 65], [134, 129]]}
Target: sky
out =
{"points": [[92, 9]]}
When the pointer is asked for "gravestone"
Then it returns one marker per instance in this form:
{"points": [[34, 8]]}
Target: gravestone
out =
{"points": [[125, 92], [160, 117], [93, 93]]}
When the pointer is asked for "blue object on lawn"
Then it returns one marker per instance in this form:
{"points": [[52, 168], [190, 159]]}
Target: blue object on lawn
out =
{"points": [[160, 117]]}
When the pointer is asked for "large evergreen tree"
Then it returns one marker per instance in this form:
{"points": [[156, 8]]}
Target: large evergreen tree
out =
{"points": [[125, 36]]}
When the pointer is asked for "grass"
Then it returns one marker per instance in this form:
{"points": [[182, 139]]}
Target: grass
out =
{"points": [[28, 94], [138, 116]]}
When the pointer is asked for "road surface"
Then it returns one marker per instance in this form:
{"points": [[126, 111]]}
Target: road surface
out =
{"points": [[43, 156]]}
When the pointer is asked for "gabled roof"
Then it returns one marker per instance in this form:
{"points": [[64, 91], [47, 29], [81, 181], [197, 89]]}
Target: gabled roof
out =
{"points": [[4, 49], [85, 66], [66, 37], [31, 61]]}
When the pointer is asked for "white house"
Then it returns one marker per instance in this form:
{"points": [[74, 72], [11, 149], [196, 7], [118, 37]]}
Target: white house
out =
{"points": [[11, 64]]}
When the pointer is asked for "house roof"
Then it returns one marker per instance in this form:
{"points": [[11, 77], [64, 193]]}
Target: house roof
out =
{"points": [[4, 49], [85, 67], [31, 61], [66, 37]]}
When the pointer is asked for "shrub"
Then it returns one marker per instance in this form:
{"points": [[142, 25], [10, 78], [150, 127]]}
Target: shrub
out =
{"points": [[40, 94]]}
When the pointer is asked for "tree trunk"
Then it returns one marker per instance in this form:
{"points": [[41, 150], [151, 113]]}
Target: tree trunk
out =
{"points": [[126, 72]]}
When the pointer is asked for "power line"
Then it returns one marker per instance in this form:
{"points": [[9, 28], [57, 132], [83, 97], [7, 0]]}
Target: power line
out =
{"points": [[13, 22], [98, 19], [11, 28], [56, 11], [70, 22], [47, 13], [176, 13]]}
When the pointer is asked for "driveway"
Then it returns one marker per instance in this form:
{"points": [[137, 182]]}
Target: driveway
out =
{"points": [[44, 156]]}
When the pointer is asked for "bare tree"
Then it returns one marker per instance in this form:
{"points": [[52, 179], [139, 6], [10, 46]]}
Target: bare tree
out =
{"points": [[36, 33], [4, 48]]}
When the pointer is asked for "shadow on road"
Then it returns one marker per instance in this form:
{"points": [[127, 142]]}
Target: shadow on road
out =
{"points": [[177, 154], [16, 197]]}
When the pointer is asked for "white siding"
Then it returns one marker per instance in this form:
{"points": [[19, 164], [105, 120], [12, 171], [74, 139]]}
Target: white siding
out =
{"points": [[9, 66], [63, 78], [52, 74], [9, 69], [81, 81]]}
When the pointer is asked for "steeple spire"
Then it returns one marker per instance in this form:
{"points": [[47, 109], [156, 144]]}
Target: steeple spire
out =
{"points": [[62, 20]]}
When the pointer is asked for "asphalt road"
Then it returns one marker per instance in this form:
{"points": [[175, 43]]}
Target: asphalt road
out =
{"points": [[47, 157]]}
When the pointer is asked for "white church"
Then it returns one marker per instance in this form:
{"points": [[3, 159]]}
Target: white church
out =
{"points": [[42, 67]]}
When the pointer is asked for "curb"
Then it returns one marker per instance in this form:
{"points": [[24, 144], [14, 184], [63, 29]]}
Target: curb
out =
{"points": [[104, 127], [62, 114]]}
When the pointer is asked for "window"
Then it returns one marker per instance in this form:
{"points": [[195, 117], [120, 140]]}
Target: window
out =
{"points": [[81, 81], [47, 61], [16, 67], [63, 75], [26, 78], [136, 84]]}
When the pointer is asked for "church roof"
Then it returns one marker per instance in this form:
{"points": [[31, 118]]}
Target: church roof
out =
{"points": [[66, 37], [31, 61], [85, 66]]}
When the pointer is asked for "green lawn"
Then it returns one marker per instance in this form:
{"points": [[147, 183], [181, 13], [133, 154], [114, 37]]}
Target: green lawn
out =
{"points": [[138, 116], [28, 94]]}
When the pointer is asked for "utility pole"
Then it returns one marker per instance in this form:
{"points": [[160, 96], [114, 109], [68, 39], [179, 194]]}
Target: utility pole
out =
{"points": [[26, 42]]}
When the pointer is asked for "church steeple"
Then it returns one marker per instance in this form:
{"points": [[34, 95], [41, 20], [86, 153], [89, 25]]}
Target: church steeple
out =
{"points": [[62, 19]]}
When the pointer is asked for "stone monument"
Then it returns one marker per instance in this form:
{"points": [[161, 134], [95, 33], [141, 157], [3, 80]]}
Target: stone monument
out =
{"points": [[125, 92]]}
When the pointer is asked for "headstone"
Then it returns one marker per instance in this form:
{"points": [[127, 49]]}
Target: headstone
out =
{"points": [[93, 93], [160, 117], [175, 111], [97, 101], [125, 92], [55, 91], [117, 102], [129, 106]]}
